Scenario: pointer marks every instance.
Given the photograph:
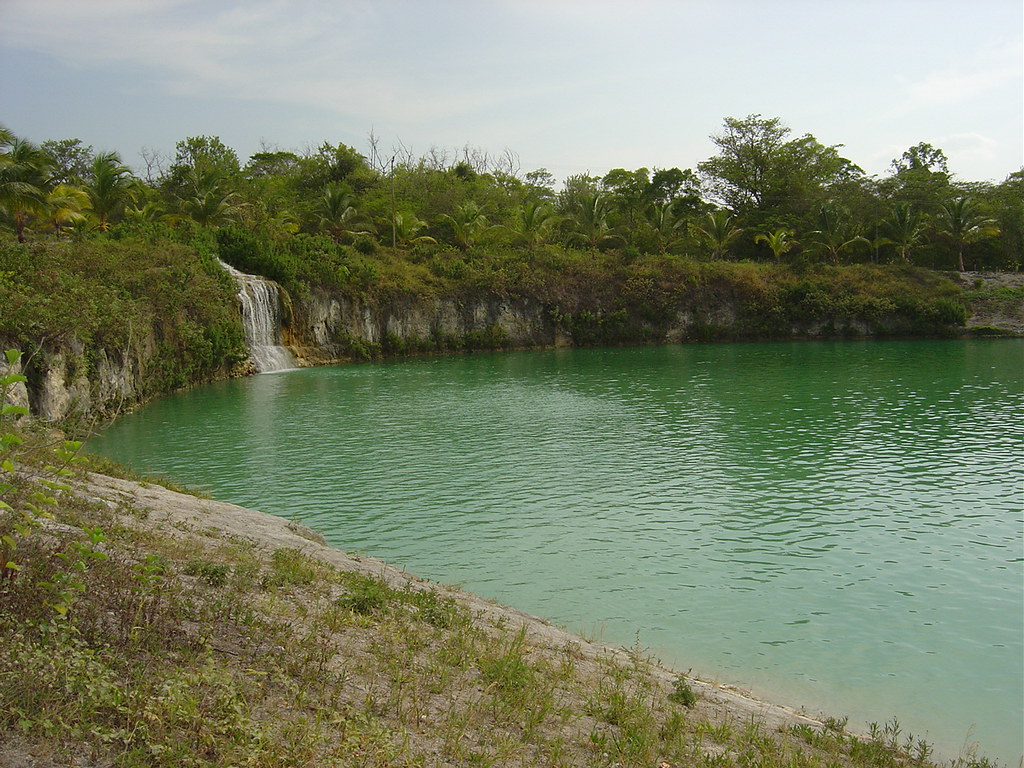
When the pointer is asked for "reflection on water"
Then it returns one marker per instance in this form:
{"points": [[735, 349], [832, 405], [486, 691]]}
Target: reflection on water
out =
{"points": [[836, 524]]}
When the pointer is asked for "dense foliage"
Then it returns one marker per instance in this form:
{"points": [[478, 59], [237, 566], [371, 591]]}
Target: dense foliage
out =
{"points": [[120, 295], [764, 196], [785, 234]]}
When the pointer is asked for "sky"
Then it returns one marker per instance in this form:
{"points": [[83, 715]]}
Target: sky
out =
{"points": [[573, 86]]}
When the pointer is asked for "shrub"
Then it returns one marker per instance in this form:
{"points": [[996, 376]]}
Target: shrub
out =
{"points": [[249, 252], [682, 693]]}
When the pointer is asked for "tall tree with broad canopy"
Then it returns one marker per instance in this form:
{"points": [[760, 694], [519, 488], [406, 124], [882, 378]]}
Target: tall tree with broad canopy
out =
{"points": [[743, 173], [196, 157], [628, 193], [767, 181], [920, 176], [70, 160]]}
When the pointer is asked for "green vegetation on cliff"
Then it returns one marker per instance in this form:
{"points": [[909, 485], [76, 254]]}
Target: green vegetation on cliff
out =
{"points": [[122, 296]]}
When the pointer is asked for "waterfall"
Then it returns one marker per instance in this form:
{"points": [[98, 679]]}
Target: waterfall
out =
{"points": [[261, 319]]}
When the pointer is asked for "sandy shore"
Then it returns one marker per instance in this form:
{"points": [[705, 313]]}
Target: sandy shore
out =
{"points": [[188, 517]]}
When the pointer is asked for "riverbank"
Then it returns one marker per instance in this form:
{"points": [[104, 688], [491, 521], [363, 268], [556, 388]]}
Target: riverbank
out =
{"points": [[195, 632], [140, 317]]}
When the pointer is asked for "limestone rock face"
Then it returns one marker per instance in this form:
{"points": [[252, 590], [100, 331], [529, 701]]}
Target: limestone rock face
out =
{"points": [[325, 325], [74, 382], [66, 380]]}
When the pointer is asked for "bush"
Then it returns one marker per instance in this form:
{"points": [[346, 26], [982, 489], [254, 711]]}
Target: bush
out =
{"points": [[682, 693], [249, 252], [365, 244]]}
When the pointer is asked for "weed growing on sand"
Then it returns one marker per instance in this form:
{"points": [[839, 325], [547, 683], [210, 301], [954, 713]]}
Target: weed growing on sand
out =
{"points": [[682, 692]]}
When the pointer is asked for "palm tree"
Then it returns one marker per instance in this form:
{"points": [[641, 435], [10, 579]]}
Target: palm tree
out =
{"points": [[22, 180], [207, 200], [533, 222], [668, 227], [405, 228], [64, 205], [962, 224], [151, 211], [337, 215], [468, 224], [591, 226], [778, 242], [718, 233], [111, 186], [903, 229], [833, 233]]}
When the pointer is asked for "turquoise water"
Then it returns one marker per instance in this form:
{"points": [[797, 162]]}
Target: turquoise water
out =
{"points": [[831, 525]]}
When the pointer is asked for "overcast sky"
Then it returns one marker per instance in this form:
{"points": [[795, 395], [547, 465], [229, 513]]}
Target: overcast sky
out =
{"points": [[570, 85]]}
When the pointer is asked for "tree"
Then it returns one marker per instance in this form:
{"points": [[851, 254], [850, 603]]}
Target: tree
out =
{"points": [[199, 156], [778, 242], [150, 212], [468, 224], [577, 188], [1006, 201], [666, 227], [591, 227], [834, 235], [406, 225], [718, 232], [961, 223], [903, 229], [769, 182], [533, 222], [628, 192], [744, 172], [268, 164], [110, 187], [23, 180], [65, 204], [337, 215], [333, 163], [540, 184], [922, 157], [70, 160], [920, 176], [208, 199]]}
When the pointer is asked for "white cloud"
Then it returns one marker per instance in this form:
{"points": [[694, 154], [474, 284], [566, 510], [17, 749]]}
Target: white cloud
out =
{"points": [[994, 71], [969, 150], [575, 82]]}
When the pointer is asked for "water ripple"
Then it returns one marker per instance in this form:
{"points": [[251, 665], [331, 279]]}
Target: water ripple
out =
{"points": [[838, 523]]}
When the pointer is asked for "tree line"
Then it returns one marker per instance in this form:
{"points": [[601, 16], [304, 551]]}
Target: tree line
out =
{"points": [[764, 195]]}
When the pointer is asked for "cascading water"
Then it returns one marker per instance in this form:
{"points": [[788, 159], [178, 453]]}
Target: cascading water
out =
{"points": [[261, 319]]}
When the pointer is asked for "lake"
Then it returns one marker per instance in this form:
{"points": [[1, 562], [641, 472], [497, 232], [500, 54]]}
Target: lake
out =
{"points": [[830, 525]]}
